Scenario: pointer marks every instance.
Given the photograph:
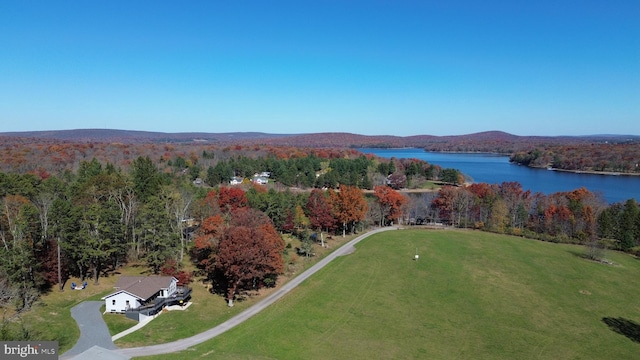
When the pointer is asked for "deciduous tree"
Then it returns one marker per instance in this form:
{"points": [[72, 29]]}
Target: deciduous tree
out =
{"points": [[206, 243], [249, 251], [349, 206], [391, 203], [319, 212]]}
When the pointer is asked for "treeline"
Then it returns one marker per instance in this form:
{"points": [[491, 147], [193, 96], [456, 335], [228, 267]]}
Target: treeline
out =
{"points": [[312, 171], [45, 156], [617, 158], [578, 216]]}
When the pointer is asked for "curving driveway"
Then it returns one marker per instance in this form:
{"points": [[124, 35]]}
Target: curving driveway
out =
{"points": [[93, 330], [95, 336]]}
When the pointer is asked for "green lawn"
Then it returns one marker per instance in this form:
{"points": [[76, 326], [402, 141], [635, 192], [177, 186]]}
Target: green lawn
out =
{"points": [[471, 295], [51, 319], [117, 323], [209, 310]]}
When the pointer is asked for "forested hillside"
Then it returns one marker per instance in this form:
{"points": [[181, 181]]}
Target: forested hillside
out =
{"points": [[599, 153], [612, 158]]}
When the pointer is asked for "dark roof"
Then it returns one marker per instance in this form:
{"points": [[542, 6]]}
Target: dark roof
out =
{"points": [[143, 286]]}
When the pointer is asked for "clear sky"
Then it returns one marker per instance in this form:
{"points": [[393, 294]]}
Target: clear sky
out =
{"points": [[446, 67]]}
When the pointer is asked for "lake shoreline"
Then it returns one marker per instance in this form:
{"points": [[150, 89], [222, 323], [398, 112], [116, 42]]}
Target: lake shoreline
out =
{"points": [[588, 172], [495, 169]]}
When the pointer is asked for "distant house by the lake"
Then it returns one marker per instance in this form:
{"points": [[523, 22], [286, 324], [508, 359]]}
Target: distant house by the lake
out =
{"points": [[141, 296]]}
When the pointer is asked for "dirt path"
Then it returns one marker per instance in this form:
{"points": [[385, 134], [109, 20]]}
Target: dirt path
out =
{"points": [[183, 344]]}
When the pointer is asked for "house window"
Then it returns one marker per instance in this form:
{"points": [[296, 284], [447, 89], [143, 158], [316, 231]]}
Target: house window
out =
{"points": [[113, 302], [127, 303]]}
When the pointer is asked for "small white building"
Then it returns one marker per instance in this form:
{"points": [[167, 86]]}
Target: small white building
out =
{"points": [[236, 180], [133, 292], [260, 180]]}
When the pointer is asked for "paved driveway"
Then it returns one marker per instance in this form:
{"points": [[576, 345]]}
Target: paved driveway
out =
{"points": [[259, 306], [93, 330]]}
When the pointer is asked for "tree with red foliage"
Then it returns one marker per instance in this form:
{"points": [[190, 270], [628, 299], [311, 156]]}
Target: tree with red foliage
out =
{"points": [[206, 242], [349, 206], [171, 268], [231, 198], [484, 197], [319, 212], [223, 200], [48, 258], [249, 253], [391, 203], [444, 203]]}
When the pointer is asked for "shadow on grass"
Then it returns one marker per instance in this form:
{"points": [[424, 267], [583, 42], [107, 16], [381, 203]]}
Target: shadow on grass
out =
{"points": [[579, 254], [622, 326]]}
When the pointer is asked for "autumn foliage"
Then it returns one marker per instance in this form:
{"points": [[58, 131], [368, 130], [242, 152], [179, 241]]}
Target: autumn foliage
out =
{"points": [[249, 252], [349, 206], [239, 254], [391, 203]]}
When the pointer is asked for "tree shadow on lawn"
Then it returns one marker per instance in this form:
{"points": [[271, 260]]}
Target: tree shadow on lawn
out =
{"points": [[583, 255], [622, 326]]}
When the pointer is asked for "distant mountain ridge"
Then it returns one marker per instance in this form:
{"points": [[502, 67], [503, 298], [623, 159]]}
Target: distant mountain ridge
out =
{"points": [[488, 141], [115, 135]]}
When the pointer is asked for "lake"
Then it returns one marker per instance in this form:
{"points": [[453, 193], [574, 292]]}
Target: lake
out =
{"points": [[495, 169]]}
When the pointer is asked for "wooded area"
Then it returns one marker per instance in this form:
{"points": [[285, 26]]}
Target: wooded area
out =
{"points": [[611, 158]]}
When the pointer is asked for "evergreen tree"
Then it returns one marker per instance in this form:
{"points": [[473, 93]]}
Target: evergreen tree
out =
{"points": [[146, 178], [159, 242], [629, 225]]}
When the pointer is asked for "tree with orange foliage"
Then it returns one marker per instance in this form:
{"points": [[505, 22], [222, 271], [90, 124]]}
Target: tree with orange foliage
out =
{"points": [[249, 253], [231, 198], [206, 242], [391, 203], [223, 200], [349, 206]]}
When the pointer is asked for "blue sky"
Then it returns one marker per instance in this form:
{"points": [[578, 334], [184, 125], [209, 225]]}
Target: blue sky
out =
{"points": [[367, 67]]}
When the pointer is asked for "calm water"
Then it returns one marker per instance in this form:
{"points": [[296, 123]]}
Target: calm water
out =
{"points": [[495, 169]]}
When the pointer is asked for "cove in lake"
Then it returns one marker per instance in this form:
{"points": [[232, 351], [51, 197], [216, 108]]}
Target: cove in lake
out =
{"points": [[495, 169]]}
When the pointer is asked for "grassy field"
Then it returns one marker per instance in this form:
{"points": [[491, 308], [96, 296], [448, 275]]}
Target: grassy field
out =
{"points": [[471, 295], [51, 317], [209, 310]]}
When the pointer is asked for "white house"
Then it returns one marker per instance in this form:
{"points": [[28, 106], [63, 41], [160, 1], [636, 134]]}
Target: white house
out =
{"points": [[133, 292], [236, 180], [260, 180]]}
